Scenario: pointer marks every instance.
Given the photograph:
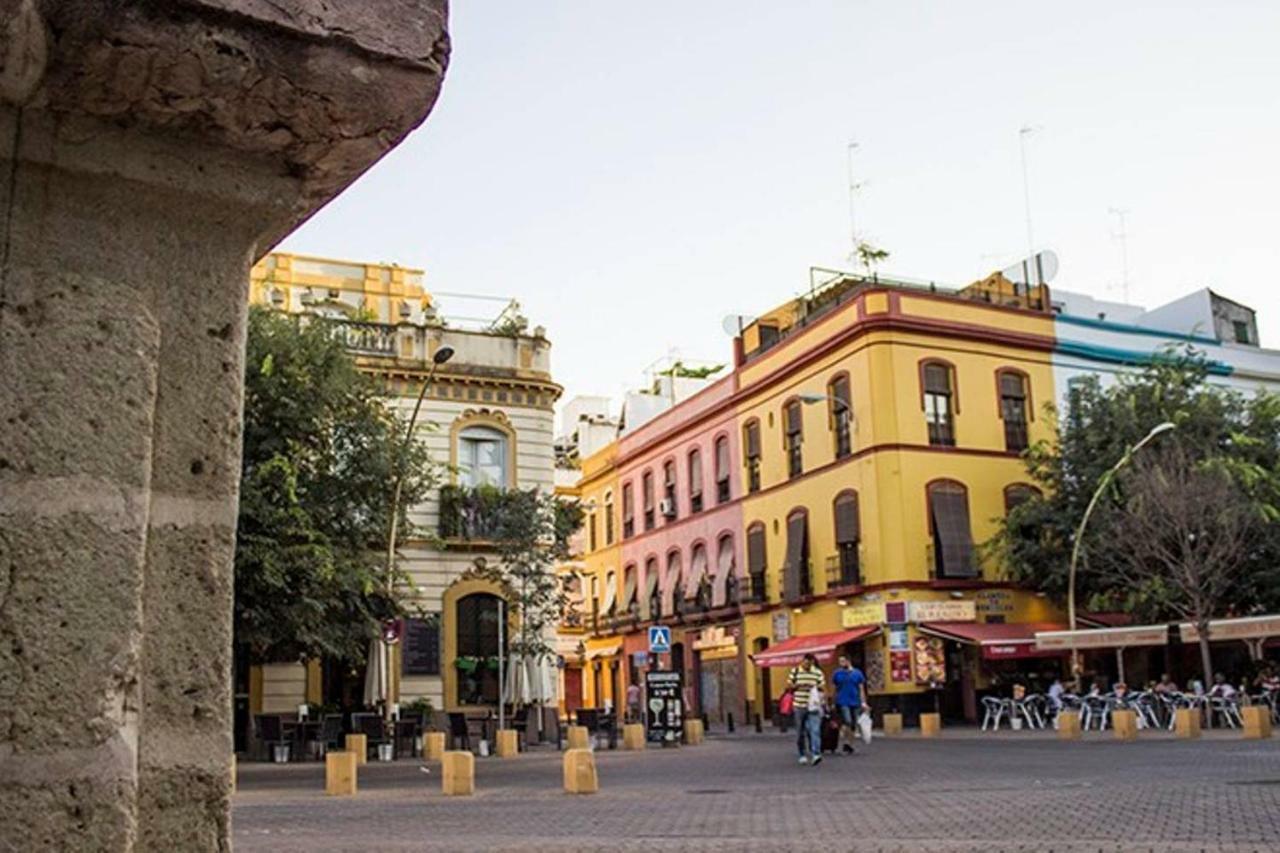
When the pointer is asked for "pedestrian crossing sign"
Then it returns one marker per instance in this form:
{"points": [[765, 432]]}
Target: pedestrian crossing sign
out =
{"points": [[659, 640]]}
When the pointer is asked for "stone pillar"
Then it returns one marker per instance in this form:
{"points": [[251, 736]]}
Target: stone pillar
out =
{"points": [[147, 157]]}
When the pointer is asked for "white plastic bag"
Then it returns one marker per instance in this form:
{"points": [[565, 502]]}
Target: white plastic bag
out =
{"points": [[815, 699], [864, 726]]}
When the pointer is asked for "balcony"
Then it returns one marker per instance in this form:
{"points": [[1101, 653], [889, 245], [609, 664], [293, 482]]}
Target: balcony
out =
{"points": [[844, 568], [756, 589], [797, 581], [365, 338], [472, 514]]}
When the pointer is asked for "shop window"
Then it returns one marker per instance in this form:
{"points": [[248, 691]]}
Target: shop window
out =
{"points": [[848, 536], [949, 525], [751, 441], [722, 470], [793, 437], [939, 403], [1013, 409], [840, 413]]}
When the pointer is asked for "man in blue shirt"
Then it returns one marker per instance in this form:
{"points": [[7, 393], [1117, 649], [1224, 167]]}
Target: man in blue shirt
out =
{"points": [[848, 681]]}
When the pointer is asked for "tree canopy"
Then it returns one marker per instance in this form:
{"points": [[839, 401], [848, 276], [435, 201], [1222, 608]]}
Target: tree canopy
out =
{"points": [[1225, 443], [320, 448]]}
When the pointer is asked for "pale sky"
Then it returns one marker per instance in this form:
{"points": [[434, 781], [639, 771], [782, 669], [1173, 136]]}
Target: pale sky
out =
{"points": [[632, 173]]}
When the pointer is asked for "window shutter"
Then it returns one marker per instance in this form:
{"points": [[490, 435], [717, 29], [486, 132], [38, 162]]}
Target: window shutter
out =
{"points": [[753, 439], [724, 569], [847, 529], [950, 509], [793, 417], [797, 530], [629, 588], [722, 459], [674, 583], [650, 588], [1011, 385], [695, 473], [628, 503], [697, 571], [937, 379], [840, 391], [755, 551]]}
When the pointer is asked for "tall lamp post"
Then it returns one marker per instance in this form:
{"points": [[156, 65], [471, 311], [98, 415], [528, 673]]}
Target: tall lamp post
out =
{"points": [[439, 357], [1075, 546]]}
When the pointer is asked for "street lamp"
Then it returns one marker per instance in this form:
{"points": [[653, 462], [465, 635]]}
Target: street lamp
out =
{"points": [[439, 357], [1075, 546]]}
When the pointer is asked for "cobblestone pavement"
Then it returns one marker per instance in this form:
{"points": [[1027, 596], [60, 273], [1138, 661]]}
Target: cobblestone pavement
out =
{"points": [[962, 792]]}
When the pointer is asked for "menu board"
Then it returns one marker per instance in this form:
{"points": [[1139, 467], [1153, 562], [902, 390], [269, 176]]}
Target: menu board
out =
{"points": [[420, 653], [900, 666], [664, 707], [930, 659]]}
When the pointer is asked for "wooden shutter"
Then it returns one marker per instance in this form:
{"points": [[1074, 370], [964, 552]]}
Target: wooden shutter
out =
{"points": [[840, 391], [937, 379], [629, 588], [722, 459], [1011, 385], [847, 528], [949, 506], [695, 473], [797, 531], [753, 439], [724, 570], [628, 503], [755, 551], [650, 587], [792, 413]]}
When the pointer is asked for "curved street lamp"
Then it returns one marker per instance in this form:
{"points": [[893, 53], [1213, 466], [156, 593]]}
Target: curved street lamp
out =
{"points": [[1103, 482]]}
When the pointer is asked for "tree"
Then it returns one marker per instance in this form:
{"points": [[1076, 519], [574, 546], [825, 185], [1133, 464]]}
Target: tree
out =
{"points": [[1183, 531], [320, 447], [869, 255], [1241, 435]]}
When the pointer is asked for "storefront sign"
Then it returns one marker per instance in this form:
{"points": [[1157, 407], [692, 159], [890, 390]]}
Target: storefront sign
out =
{"points": [[994, 601], [943, 611], [1248, 628], [898, 638], [715, 637], [421, 652], [1103, 638], [858, 615], [664, 707], [930, 660], [781, 626], [900, 666], [721, 653]]}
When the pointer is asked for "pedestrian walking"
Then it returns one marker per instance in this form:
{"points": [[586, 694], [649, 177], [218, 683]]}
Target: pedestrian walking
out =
{"points": [[634, 704], [806, 685], [849, 684]]}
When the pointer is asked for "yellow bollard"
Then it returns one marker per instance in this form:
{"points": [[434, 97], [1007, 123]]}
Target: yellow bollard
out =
{"points": [[458, 773], [1069, 725], [433, 746], [359, 744], [1186, 723], [1257, 722], [579, 737], [693, 732], [1125, 724], [340, 769], [633, 736], [508, 745], [930, 725], [580, 772], [892, 724]]}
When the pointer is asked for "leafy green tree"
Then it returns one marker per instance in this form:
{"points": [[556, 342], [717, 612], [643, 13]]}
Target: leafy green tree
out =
{"points": [[320, 447], [1216, 428]]}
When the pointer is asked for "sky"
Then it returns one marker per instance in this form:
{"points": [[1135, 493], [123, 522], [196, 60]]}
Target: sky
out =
{"points": [[634, 173]]}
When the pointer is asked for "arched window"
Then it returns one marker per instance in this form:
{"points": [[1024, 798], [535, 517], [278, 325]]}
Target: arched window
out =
{"points": [[630, 604], [1014, 411], [797, 581], [651, 601], [949, 526], [592, 542], [751, 453], [699, 584], [840, 411], [477, 636], [937, 380], [669, 507], [628, 511], [1018, 493], [756, 563], [672, 589], [793, 437], [695, 481], [722, 470], [608, 518], [848, 536], [482, 457], [646, 497], [726, 584]]}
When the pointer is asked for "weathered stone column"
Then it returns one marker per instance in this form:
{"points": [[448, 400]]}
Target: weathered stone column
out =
{"points": [[148, 153]]}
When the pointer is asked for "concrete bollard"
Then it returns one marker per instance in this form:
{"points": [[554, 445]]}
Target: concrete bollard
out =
{"points": [[579, 737], [1069, 725], [458, 773], [693, 732], [340, 769], [892, 724], [508, 745], [359, 744], [433, 746], [633, 736], [1186, 723], [1257, 722], [930, 725], [580, 772], [1125, 724]]}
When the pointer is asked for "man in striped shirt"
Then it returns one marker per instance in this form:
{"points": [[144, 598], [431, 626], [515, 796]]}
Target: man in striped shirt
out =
{"points": [[802, 681]]}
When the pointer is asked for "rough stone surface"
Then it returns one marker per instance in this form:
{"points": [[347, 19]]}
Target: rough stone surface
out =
{"points": [[149, 152]]}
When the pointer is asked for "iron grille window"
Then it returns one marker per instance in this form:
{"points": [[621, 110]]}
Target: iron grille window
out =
{"points": [[797, 583]]}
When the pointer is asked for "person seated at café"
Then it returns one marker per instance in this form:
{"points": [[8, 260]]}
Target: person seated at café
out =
{"points": [[1121, 690], [1222, 688], [1267, 680], [1056, 692], [1166, 684]]}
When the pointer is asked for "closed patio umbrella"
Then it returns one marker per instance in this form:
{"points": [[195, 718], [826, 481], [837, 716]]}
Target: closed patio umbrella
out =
{"points": [[375, 673]]}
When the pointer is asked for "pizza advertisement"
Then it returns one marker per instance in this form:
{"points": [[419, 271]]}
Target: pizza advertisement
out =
{"points": [[930, 659], [900, 666]]}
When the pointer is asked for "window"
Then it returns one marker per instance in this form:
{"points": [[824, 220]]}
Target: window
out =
{"points": [[700, 576], [669, 510], [1018, 493], [651, 602], [608, 518], [1013, 409], [848, 535], [630, 606], [840, 404], [695, 481], [482, 457], [628, 511], [769, 336], [949, 526], [646, 495], [756, 555], [673, 591], [722, 470], [751, 440], [1241, 330], [793, 426], [726, 585], [938, 404], [796, 583], [591, 532]]}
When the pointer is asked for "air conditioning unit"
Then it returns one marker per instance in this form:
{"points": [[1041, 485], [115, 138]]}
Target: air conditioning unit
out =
{"points": [[667, 508]]}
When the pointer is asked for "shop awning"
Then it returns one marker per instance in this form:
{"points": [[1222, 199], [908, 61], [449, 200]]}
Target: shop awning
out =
{"points": [[1245, 628], [822, 646], [1103, 638], [997, 641], [606, 649]]}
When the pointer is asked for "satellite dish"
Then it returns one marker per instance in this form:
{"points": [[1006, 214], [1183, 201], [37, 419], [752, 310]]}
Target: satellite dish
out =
{"points": [[735, 323], [1040, 268]]}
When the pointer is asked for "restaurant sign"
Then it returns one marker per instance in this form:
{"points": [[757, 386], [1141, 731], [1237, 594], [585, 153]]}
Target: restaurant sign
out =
{"points": [[781, 626], [859, 615], [715, 643], [1247, 628], [1103, 638], [943, 611]]}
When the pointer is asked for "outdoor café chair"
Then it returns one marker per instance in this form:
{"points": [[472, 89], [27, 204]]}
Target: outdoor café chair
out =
{"points": [[374, 730], [459, 732], [1095, 709], [994, 709], [270, 731], [1029, 707], [331, 732], [1227, 709]]}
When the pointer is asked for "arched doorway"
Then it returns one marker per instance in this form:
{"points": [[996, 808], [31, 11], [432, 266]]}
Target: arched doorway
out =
{"points": [[476, 624]]}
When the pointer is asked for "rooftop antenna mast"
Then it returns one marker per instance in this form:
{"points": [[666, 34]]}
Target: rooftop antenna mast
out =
{"points": [[1123, 237], [854, 188], [1023, 132]]}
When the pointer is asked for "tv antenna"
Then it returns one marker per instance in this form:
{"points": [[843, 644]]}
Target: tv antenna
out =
{"points": [[1023, 132], [855, 187], [1122, 236]]}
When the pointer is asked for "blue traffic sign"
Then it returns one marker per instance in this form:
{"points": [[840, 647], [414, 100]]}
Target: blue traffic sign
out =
{"points": [[659, 640]]}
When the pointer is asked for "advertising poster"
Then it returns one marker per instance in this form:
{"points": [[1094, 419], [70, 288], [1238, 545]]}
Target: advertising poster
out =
{"points": [[664, 707], [930, 660], [900, 666]]}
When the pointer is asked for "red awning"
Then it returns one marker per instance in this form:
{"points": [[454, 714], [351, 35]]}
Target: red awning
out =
{"points": [[822, 646], [997, 641]]}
